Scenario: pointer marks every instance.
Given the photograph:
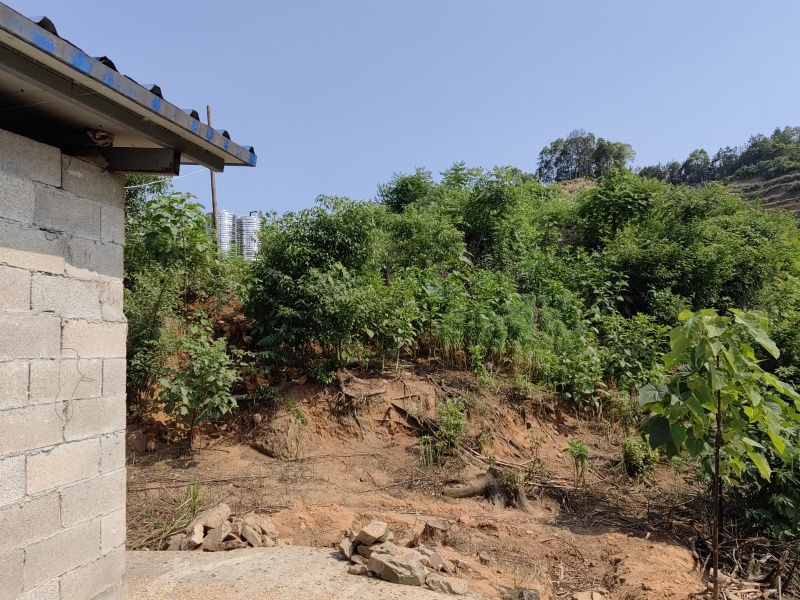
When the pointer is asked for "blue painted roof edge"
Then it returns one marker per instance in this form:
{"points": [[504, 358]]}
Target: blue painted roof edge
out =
{"points": [[58, 48]]}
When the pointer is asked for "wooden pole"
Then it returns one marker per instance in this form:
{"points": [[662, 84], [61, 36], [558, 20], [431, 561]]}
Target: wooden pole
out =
{"points": [[213, 188]]}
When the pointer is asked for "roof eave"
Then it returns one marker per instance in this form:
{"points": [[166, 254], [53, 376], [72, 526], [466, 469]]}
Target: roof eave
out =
{"points": [[47, 60]]}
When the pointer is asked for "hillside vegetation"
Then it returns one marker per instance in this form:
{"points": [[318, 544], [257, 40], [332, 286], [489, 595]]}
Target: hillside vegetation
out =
{"points": [[556, 294]]}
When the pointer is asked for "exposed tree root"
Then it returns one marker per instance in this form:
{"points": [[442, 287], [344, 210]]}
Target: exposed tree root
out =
{"points": [[494, 487]]}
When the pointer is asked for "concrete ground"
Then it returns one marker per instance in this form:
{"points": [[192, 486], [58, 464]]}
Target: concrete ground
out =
{"points": [[294, 572]]}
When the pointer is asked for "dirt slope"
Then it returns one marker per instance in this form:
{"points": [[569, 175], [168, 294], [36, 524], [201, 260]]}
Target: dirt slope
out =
{"points": [[338, 469]]}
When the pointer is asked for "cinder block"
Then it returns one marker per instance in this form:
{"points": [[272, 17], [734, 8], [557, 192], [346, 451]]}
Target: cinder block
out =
{"points": [[112, 293], [93, 498], [93, 182], [66, 379], [63, 465], [63, 552], [14, 388], [112, 221], [16, 198], [58, 210], [112, 531], [31, 248], [12, 480], [30, 336], [118, 592], [11, 581], [88, 259], [25, 158], [99, 577], [93, 340], [113, 376], [94, 416], [66, 297], [112, 452], [28, 522], [15, 289], [31, 427], [48, 591]]}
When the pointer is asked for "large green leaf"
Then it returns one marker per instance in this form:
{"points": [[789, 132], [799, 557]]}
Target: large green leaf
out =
{"points": [[652, 393], [761, 464], [757, 326]]}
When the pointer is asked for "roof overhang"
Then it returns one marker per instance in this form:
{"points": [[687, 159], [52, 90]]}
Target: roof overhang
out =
{"points": [[55, 92]]}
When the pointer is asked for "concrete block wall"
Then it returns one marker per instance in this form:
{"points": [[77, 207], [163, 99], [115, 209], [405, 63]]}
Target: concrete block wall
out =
{"points": [[62, 376]]}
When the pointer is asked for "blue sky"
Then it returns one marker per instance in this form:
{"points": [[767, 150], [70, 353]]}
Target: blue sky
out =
{"points": [[338, 95]]}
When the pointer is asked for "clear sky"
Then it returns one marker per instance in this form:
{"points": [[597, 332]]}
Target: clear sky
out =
{"points": [[336, 95]]}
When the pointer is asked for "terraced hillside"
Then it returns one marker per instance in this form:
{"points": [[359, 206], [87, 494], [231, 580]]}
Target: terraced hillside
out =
{"points": [[778, 192]]}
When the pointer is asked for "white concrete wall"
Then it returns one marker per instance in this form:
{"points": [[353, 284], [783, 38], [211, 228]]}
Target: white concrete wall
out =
{"points": [[62, 376]]}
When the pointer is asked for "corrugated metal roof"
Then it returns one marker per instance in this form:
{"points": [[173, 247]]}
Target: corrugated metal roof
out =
{"points": [[91, 90]]}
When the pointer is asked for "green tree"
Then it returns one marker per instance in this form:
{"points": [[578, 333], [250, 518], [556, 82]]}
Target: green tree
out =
{"points": [[717, 397], [404, 190]]}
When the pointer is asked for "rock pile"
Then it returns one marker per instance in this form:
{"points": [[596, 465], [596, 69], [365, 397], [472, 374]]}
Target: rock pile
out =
{"points": [[373, 553], [215, 530]]}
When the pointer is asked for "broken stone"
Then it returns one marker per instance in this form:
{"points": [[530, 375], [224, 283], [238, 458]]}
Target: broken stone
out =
{"points": [[267, 542], [588, 596], [530, 595], [347, 547], [284, 542], [446, 585], [236, 527], [375, 531], [175, 542], [436, 530], [233, 545], [437, 562], [390, 536], [194, 537], [252, 536], [357, 559], [484, 557], [210, 519], [385, 547], [401, 567], [214, 540], [357, 570], [261, 524]]}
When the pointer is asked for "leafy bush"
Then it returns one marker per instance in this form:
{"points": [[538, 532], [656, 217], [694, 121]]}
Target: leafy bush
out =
{"points": [[638, 457], [198, 388]]}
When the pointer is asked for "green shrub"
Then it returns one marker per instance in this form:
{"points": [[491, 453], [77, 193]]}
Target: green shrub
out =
{"points": [[638, 458], [199, 386]]}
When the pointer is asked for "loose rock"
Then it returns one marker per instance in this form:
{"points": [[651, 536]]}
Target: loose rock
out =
{"points": [[446, 585], [252, 536], [194, 537], [588, 596], [347, 547], [261, 524], [357, 559], [210, 519], [175, 542], [357, 570], [436, 530], [385, 548], [214, 540], [375, 531], [401, 567]]}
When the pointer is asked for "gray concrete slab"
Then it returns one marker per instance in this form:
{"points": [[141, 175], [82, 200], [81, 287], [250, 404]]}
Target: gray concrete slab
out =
{"points": [[288, 572]]}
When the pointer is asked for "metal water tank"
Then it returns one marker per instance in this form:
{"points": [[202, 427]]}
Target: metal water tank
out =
{"points": [[247, 229], [226, 230]]}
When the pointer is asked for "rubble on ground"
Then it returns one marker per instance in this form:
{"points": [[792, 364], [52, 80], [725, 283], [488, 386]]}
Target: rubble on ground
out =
{"points": [[217, 530], [374, 554]]}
